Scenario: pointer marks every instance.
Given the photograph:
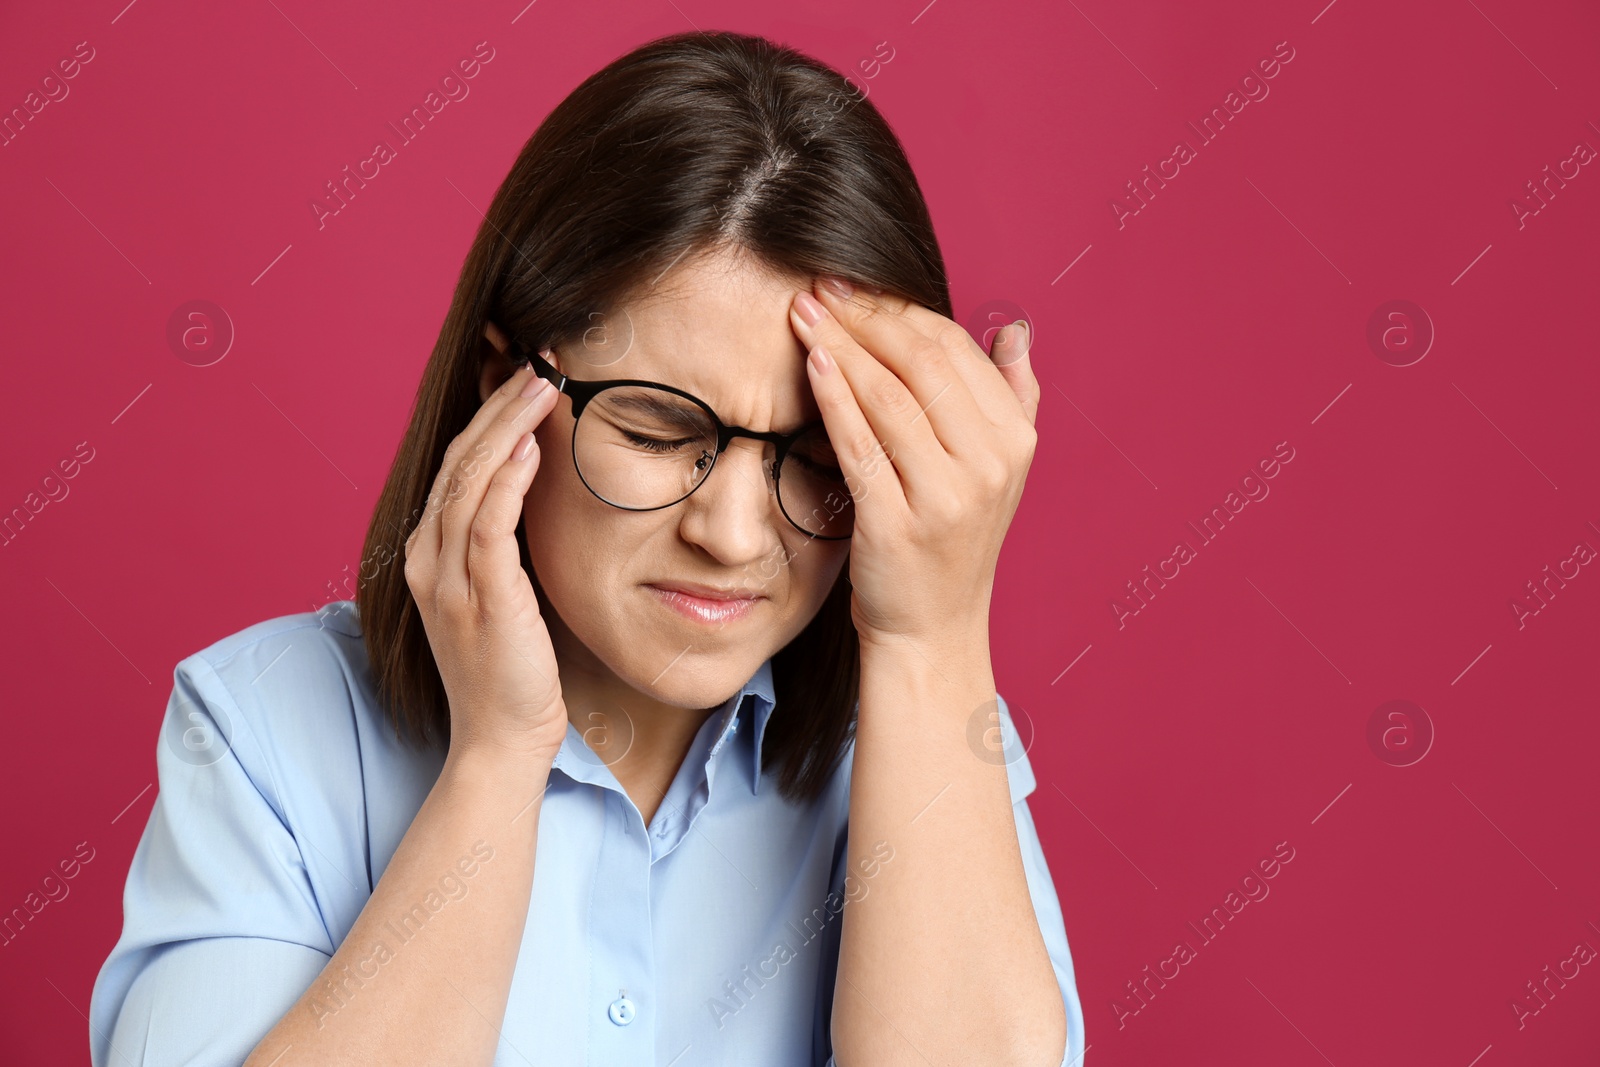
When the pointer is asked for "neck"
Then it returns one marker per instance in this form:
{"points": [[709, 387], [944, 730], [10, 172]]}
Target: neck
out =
{"points": [[642, 740]]}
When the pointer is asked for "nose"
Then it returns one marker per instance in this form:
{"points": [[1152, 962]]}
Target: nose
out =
{"points": [[734, 512], [732, 515], [749, 460]]}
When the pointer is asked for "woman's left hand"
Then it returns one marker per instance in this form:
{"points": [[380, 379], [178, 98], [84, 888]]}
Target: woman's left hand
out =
{"points": [[935, 438]]}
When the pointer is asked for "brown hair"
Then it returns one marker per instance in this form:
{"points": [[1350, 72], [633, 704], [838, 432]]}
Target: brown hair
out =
{"points": [[693, 142]]}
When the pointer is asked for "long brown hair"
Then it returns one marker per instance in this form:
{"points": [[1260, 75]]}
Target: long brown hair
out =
{"points": [[693, 142]]}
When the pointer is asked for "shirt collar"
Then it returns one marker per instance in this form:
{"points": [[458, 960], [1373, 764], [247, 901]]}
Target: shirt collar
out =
{"points": [[758, 694], [765, 700]]}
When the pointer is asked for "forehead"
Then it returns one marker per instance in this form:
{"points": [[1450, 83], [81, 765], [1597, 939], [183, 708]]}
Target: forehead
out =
{"points": [[715, 325]]}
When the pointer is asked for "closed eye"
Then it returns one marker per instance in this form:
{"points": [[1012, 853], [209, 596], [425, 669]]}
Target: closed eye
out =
{"points": [[655, 444]]}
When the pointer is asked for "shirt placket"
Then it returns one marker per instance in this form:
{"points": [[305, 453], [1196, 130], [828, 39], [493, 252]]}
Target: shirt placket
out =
{"points": [[622, 996], [623, 993]]}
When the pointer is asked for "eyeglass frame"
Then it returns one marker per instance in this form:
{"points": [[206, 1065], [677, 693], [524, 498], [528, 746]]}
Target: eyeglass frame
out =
{"points": [[582, 391]]}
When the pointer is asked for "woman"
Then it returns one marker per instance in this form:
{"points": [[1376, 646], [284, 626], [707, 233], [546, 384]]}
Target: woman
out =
{"points": [[666, 729]]}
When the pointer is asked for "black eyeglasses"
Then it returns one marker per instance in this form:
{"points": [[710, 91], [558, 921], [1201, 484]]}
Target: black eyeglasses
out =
{"points": [[643, 446]]}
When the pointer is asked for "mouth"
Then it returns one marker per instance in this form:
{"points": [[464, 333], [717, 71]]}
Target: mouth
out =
{"points": [[704, 604]]}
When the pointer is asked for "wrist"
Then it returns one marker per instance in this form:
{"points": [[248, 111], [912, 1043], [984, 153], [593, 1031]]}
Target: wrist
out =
{"points": [[498, 766], [928, 667], [958, 642], [494, 732]]}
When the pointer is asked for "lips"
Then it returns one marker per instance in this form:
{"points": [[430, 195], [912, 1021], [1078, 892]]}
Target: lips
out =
{"points": [[704, 603], [705, 592]]}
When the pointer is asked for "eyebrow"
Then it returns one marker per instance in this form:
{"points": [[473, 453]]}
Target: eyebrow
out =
{"points": [[678, 413], [682, 413]]}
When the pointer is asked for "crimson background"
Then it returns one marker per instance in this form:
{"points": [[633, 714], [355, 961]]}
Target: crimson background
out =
{"points": [[1176, 349]]}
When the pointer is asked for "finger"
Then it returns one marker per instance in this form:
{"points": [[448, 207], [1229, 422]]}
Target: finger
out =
{"points": [[969, 359], [880, 321], [509, 422], [424, 543], [868, 467], [493, 559], [920, 363], [1010, 354], [882, 387]]}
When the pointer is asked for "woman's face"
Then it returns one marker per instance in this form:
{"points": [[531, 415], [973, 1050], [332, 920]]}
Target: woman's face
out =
{"points": [[718, 328]]}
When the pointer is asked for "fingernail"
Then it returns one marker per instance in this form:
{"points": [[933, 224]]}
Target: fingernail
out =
{"points": [[1019, 335], [524, 447], [535, 386], [839, 286], [810, 311]]}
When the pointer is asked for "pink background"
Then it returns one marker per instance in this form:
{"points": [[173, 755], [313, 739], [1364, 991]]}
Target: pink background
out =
{"points": [[1176, 746]]}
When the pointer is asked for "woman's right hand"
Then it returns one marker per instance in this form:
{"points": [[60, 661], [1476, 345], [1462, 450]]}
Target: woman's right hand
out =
{"points": [[477, 604]]}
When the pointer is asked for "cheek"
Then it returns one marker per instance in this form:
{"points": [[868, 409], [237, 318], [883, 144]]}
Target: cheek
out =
{"points": [[579, 547], [554, 499], [562, 551], [561, 529], [553, 516], [554, 435], [813, 574], [811, 577]]}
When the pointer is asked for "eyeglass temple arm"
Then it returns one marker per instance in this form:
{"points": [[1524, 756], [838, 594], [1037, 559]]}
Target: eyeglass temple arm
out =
{"points": [[542, 367]]}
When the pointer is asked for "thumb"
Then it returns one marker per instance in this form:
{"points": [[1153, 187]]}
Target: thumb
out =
{"points": [[1009, 351]]}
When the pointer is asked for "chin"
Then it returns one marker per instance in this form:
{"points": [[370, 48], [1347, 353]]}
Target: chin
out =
{"points": [[674, 669]]}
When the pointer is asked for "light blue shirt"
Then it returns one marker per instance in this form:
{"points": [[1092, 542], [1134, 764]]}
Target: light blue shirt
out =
{"points": [[709, 937]]}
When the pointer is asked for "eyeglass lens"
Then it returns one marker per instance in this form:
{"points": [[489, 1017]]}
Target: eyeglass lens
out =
{"points": [[643, 448]]}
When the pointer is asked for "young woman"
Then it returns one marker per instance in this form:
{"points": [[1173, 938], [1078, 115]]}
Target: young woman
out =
{"points": [[663, 728]]}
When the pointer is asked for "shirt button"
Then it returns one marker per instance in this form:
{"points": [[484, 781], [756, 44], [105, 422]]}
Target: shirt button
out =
{"points": [[621, 1011]]}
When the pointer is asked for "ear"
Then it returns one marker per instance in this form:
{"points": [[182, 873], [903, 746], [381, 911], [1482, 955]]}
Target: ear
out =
{"points": [[493, 367]]}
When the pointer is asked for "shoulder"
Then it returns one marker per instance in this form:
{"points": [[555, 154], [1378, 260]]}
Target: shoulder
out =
{"points": [[297, 655], [293, 672], [284, 712], [290, 698], [334, 630]]}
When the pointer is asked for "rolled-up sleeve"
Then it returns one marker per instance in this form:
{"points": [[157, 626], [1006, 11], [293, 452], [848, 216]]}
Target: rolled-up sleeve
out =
{"points": [[1041, 889], [1047, 909], [222, 932]]}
